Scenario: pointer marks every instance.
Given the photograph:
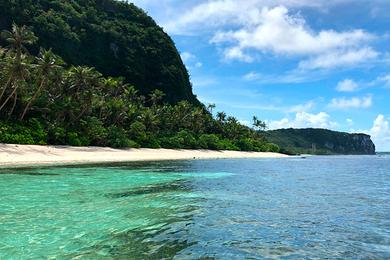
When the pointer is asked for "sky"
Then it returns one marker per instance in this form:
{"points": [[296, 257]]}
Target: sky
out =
{"points": [[292, 63]]}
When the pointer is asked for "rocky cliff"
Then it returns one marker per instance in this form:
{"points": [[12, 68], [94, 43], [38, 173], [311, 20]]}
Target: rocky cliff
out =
{"points": [[320, 141]]}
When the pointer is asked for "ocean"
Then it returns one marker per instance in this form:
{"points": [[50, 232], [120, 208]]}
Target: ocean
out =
{"points": [[335, 207]]}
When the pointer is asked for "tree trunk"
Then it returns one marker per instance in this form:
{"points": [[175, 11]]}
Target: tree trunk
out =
{"points": [[9, 97], [13, 106], [5, 88], [31, 100]]}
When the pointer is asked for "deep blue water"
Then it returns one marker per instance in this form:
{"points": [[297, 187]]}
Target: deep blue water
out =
{"points": [[318, 207]]}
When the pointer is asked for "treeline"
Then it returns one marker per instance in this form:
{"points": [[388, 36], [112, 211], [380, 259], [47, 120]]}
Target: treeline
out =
{"points": [[45, 101]]}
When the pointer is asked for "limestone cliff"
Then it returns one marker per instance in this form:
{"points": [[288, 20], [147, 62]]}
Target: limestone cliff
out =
{"points": [[320, 141]]}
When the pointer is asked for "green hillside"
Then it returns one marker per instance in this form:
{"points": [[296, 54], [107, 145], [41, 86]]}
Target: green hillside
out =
{"points": [[320, 141], [118, 39], [44, 100]]}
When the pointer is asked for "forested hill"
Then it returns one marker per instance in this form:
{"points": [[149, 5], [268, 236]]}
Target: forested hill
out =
{"points": [[320, 141], [117, 38], [46, 101]]}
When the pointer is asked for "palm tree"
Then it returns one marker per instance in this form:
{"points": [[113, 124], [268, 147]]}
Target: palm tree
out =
{"points": [[258, 124], [221, 117], [17, 38], [232, 128], [149, 119], [210, 108], [156, 96], [84, 83], [46, 63], [198, 120], [16, 70]]}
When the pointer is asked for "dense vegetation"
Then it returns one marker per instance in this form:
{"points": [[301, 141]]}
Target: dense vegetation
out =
{"points": [[117, 38], [320, 141], [45, 101]]}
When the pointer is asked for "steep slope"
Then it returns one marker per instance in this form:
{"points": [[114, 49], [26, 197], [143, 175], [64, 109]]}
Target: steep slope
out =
{"points": [[320, 141], [115, 37]]}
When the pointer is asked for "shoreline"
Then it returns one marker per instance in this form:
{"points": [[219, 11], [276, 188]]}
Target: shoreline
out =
{"points": [[12, 155]]}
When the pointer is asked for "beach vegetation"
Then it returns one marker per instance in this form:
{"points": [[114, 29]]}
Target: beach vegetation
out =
{"points": [[46, 101]]}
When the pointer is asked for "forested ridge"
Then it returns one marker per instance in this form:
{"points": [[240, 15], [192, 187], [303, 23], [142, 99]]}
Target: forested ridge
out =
{"points": [[44, 100], [320, 141], [115, 37]]}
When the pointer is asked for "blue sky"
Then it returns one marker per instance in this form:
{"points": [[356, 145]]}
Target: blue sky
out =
{"points": [[293, 63]]}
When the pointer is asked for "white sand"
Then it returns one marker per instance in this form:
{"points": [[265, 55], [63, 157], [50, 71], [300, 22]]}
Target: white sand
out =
{"points": [[18, 155]]}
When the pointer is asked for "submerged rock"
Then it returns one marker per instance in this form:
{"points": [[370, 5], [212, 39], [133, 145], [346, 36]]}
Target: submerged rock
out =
{"points": [[151, 189]]}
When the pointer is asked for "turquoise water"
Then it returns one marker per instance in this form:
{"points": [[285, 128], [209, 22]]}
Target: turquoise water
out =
{"points": [[319, 207]]}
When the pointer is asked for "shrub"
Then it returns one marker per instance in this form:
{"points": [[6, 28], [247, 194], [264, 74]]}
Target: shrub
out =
{"points": [[14, 133], [259, 145], [174, 142], [117, 138], [151, 142], [245, 144], [56, 135], [225, 144], [137, 132], [95, 131], [187, 140], [210, 141], [75, 139], [272, 148], [37, 131]]}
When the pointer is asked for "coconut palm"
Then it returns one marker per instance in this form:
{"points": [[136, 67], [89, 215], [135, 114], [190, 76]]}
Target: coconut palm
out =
{"points": [[221, 117], [156, 96], [258, 124], [46, 63], [211, 107], [84, 84], [17, 68], [18, 38]]}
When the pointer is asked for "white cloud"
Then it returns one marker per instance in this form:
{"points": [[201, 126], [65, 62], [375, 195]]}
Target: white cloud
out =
{"points": [[349, 122], [380, 133], [347, 85], [304, 120], [302, 107], [236, 53], [252, 76], [205, 15], [245, 28], [340, 58], [354, 102], [287, 77], [245, 122], [198, 64], [187, 56], [276, 31], [190, 60], [385, 79]]}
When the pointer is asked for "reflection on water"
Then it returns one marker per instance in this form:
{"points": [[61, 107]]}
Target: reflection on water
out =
{"points": [[321, 207]]}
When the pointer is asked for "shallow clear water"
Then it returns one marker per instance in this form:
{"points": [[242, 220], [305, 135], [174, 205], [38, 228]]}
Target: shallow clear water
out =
{"points": [[319, 207]]}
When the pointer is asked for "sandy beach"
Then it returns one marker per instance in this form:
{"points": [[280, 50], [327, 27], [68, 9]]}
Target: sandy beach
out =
{"points": [[22, 155]]}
